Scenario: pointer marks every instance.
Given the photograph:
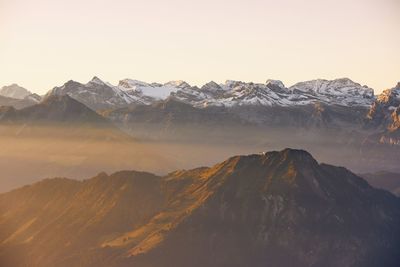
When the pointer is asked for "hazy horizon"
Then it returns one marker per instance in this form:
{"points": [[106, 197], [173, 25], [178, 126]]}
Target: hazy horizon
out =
{"points": [[46, 43]]}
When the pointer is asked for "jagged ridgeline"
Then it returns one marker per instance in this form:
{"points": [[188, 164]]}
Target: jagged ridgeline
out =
{"points": [[271, 209]]}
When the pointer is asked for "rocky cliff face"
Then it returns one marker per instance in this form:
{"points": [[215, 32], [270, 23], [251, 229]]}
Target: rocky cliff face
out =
{"points": [[383, 117]]}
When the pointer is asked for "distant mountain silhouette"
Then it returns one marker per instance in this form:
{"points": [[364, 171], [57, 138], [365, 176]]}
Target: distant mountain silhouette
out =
{"points": [[53, 109], [18, 103]]}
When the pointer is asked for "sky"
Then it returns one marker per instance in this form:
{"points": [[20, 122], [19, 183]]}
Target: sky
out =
{"points": [[44, 43]]}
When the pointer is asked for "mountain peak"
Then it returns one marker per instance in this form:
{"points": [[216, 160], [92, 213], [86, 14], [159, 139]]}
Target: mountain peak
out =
{"points": [[14, 91], [97, 80], [60, 109], [297, 158], [131, 83], [296, 153], [390, 96], [67, 84], [275, 83], [343, 90], [179, 83]]}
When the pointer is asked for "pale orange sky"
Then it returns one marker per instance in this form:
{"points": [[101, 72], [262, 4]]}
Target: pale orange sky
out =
{"points": [[44, 43]]}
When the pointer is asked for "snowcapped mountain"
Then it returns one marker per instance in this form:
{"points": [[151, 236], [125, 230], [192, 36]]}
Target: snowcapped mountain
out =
{"points": [[342, 91], [151, 92], [273, 93], [234, 93], [98, 94], [14, 91], [95, 94]]}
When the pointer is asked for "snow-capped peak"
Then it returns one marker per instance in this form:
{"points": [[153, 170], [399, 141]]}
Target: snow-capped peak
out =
{"points": [[343, 86], [155, 91], [232, 83], [341, 91], [131, 84], [211, 86]]}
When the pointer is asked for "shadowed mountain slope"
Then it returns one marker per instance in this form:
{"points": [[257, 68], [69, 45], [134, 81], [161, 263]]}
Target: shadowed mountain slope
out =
{"points": [[277, 208], [53, 109]]}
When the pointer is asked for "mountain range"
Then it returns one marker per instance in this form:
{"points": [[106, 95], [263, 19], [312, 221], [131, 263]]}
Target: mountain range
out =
{"points": [[98, 94], [340, 121], [280, 208], [322, 102], [257, 103], [53, 109]]}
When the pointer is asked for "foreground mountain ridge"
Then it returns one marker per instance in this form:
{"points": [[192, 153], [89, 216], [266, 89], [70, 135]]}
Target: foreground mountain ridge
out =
{"points": [[281, 208]]}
